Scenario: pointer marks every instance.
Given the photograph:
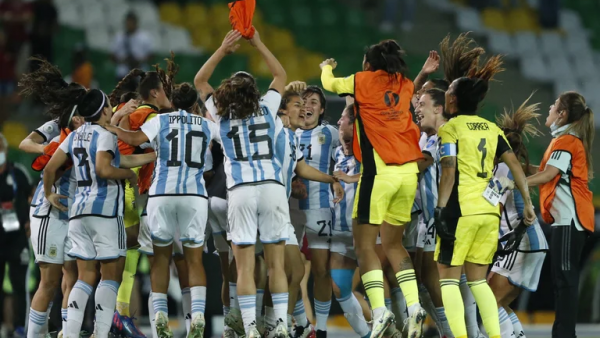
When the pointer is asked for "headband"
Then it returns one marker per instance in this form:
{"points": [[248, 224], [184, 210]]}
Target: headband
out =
{"points": [[101, 105], [71, 116]]}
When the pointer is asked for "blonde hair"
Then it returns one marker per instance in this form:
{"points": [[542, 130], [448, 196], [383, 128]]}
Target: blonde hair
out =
{"points": [[581, 120]]}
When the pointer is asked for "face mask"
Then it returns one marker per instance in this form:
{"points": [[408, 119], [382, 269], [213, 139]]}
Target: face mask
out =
{"points": [[2, 158], [554, 126]]}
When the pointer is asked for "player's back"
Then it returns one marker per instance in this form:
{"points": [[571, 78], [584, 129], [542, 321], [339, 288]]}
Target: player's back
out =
{"points": [[289, 155], [94, 195], [476, 141], [181, 141], [343, 210]]}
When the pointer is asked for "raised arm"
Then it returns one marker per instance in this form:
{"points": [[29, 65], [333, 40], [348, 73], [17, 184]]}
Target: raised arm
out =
{"points": [[33, 144], [228, 46], [430, 66], [275, 67], [338, 85]]}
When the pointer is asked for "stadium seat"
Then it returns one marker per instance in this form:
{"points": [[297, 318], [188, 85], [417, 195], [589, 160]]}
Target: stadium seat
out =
{"points": [[170, 12], [116, 14], [522, 19], [98, 38], [502, 43], [560, 67], [584, 66], [219, 14], [551, 43], [175, 39], [14, 132], [146, 13], [195, 16], [525, 43], [468, 19], [577, 44], [533, 67], [493, 19], [570, 21], [69, 15], [564, 85]]}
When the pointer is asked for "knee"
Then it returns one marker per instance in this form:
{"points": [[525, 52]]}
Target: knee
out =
{"points": [[49, 286], [342, 279], [319, 271]]}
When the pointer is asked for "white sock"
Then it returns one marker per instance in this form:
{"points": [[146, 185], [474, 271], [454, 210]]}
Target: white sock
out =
{"points": [[78, 299], [300, 314], [152, 316], [270, 319], [443, 325], [106, 300], [322, 313], [186, 305], [37, 321], [427, 303], [280, 306], [45, 327], [290, 321], [159, 303], [506, 327], [248, 309], [260, 294], [233, 297], [518, 328], [399, 304], [470, 307], [354, 314], [63, 315], [198, 300], [388, 303]]}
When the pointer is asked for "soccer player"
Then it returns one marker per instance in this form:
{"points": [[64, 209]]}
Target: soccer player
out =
{"points": [[388, 183], [95, 226], [566, 200], [251, 132], [521, 268], [467, 215], [181, 141]]}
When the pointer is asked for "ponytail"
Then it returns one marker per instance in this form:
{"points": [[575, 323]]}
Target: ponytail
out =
{"points": [[459, 57], [389, 57], [581, 118]]}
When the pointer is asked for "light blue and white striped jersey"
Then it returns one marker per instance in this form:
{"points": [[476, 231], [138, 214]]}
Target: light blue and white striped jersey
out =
{"points": [[417, 205], [250, 145], [513, 203], [343, 210], [318, 145], [430, 179], [94, 196], [181, 142], [289, 157]]}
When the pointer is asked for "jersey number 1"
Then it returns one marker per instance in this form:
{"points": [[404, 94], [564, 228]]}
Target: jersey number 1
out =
{"points": [[173, 138], [481, 147]]}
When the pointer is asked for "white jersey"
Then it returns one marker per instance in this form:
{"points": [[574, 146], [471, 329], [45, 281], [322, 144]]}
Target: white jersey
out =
{"points": [[318, 146], [208, 161], [417, 204], [513, 203], [250, 145], [430, 179], [94, 196], [289, 156], [343, 210], [49, 130], [181, 141]]}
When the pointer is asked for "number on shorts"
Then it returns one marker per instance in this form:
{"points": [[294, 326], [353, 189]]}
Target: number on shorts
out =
{"points": [[82, 156], [481, 147], [239, 150], [324, 224], [173, 138], [431, 230]]}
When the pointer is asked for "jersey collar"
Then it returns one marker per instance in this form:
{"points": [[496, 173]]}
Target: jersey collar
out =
{"points": [[560, 131]]}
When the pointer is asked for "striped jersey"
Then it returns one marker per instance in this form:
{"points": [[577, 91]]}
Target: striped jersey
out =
{"points": [[417, 205], [430, 179], [250, 144], [94, 196], [343, 210], [318, 146], [512, 214], [181, 141], [289, 156]]}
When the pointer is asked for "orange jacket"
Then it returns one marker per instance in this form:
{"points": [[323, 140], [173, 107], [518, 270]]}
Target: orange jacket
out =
{"points": [[578, 181], [383, 119], [40, 162], [136, 120]]}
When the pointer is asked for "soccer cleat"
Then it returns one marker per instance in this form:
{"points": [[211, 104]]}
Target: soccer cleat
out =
{"points": [[381, 323], [234, 321], [60, 334], [307, 331], [128, 329], [279, 331], [415, 323], [253, 333], [321, 334], [197, 327], [117, 324], [162, 326], [392, 332], [229, 333], [261, 324]]}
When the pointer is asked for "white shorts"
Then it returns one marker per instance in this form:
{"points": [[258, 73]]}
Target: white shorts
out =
{"points": [[292, 239], [319, 228], [217, 219], [427, 236], [258, 209], [522, 269], [145, 240], [49, 240], [411, 232], [169, 216], [342, 242], [97, 238]]}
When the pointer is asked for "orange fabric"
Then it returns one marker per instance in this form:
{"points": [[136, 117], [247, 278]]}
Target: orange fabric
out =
{"points": [[579, 181], [84, 74], [241, 13], [40, 162], [136, 120], [382, 109], [119, 106]]}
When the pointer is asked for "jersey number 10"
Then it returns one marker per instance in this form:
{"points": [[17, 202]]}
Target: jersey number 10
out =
{"points": [[173, 138]]}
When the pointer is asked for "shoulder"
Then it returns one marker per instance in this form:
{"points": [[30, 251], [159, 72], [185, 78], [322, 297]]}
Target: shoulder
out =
{"points": [[330, 128], [568, 141]]}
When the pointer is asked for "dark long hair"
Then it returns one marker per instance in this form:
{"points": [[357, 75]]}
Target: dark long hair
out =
{"points": [[185, 97], [471, 90], [459, 57], [387, 56], [237, 97]]}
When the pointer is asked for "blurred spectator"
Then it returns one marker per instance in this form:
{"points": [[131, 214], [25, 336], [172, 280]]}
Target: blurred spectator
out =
{"points": [[15, 16], [8, 61], [132, 48], [83, 71], [390, 15], [549, 13], [45, 26], [15, 187]]}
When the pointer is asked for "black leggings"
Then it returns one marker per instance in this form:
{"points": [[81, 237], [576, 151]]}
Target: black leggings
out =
{"points": [[566, 246], [17, 273]]}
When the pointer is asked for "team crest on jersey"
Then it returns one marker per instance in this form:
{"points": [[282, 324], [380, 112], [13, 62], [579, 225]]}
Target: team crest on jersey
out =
{"points": [[53, 250], [322, 138], [48, 129]]}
